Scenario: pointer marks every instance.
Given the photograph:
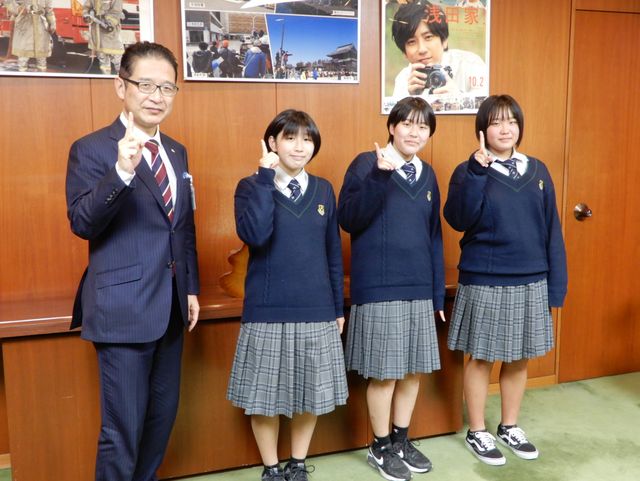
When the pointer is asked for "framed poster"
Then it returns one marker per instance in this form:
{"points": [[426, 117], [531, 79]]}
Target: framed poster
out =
{"points": [[438, 50], [271, 41], [70, 38]]}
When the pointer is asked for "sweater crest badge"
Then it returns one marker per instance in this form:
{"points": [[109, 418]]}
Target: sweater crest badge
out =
{"points": [[321, 209], [541, 184], [429, 195]]}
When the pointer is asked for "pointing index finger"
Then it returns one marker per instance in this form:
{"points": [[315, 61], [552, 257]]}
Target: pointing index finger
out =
{"points": [[265, 151], [378, 151], [129, 132], [482, 145]]}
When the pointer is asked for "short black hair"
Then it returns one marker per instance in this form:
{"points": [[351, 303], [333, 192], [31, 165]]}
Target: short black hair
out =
{"points": [[408, 17], [290, 122], [203, 46], [145, 49], [495, 107], [415, 109]]}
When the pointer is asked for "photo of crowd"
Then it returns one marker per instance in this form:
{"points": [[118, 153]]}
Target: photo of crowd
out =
{"points": [[314, 40]]}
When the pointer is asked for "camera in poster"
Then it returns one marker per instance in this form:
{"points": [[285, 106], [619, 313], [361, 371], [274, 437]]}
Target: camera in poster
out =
{"points": [[70, 38], [271, 41], [438, 50]]}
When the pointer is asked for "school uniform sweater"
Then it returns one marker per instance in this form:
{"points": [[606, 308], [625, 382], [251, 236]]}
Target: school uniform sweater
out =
{"points": [[295, 257], [396, 239], [511, 228]]}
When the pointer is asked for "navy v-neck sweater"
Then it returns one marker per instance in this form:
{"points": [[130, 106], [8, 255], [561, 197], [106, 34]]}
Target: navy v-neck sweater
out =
{"points": [[512, 234], [396, 238], [295, 269]]}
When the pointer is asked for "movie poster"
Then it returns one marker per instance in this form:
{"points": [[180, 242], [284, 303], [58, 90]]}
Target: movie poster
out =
{"points": [[70, 38], [271, 41], [438, 50]]}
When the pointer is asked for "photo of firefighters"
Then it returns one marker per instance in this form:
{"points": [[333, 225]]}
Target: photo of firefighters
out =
{"points": [[437, 50], [73, 38], [271, 41]]}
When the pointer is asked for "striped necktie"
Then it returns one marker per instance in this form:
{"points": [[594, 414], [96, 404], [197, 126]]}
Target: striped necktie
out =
{"points": [[510, 165], [410, 170], [160, 173], [294, 187]]}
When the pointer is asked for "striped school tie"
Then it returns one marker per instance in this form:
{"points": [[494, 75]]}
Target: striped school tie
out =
{"points": [[294, 187], [510, 164], [160, 174], [410, 170]]}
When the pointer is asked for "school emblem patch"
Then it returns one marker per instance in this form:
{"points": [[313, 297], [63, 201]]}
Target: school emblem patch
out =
{"points": [[321, 209], [429, 195], [541, 184]]}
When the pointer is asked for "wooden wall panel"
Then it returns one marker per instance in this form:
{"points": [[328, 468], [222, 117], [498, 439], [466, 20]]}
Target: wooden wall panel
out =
{"points": [[40, 120], [52, 406], [4, 428]]}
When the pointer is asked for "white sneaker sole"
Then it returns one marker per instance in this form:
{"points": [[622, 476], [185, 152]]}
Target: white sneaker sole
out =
{"points": [[520, 454], [413, 469], [490, 461], [385, 475]]}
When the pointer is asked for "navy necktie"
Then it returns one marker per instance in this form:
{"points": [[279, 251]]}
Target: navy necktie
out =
{"points": [[510, 165], [410, 170], [294, 187], [160, 174]]}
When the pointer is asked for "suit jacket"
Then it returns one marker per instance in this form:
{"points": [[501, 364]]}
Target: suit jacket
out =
{"points": [[126, 292]]}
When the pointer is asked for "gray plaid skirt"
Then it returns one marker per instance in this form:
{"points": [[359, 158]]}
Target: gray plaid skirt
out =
{"points": [[288, 367], [502, 323], [388, 340]]}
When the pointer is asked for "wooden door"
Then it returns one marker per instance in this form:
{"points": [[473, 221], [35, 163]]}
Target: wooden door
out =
{"points": [[600, 326]]}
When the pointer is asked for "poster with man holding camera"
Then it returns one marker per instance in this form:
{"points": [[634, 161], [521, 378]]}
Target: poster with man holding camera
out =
{"points": [[438, 50]]}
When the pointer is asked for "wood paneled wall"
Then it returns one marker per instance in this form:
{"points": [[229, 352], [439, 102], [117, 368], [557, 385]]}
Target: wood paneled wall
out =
{"points": [[221, 124]]}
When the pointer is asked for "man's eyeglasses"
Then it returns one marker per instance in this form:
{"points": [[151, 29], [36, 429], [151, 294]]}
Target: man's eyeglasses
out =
{"points": [[146, 87]]}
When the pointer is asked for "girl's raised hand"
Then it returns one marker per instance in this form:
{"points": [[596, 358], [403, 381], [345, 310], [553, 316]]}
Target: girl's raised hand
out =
{"points": [[482, 156], [269, 160], [383, 163]]}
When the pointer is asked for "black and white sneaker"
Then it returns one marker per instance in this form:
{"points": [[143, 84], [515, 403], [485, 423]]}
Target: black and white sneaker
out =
{"points": [[272, 474], [483, 445], [297, 471], [414, 459], [388, 464], [517, 441]]}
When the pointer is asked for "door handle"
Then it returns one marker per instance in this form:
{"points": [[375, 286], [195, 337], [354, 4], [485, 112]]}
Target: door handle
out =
{"points": [[581, 212]]}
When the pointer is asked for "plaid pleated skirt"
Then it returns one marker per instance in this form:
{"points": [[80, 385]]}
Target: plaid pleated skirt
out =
{"points": [[388, 340], [502, 323], [288, 367]]}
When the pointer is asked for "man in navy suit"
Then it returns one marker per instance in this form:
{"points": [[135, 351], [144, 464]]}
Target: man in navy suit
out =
{"points": [[140, 288]]}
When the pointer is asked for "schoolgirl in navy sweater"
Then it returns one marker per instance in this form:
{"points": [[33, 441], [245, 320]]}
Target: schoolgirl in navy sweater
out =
{"points": [[512, 270], [390, 204], [289, 358]]}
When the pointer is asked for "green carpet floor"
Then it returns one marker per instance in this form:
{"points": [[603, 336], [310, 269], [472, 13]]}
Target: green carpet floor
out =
{"points": [[585, 431]]}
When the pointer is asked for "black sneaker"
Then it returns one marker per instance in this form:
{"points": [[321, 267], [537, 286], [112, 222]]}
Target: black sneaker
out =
{"points": [[516, 440], [389, 464], [272, 474], [483, 445], [297, 471], [414, 459]]}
